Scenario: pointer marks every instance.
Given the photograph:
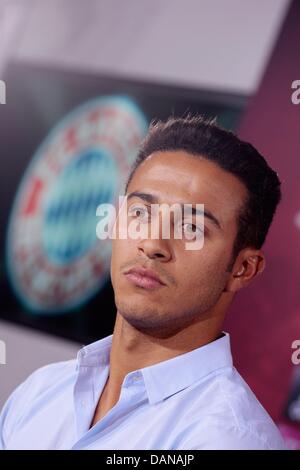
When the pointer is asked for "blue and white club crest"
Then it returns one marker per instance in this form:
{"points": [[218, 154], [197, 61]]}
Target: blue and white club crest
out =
{"points": [[55, 261]]}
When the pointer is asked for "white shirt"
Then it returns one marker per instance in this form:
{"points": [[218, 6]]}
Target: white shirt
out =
{"points": [[196, 400]]}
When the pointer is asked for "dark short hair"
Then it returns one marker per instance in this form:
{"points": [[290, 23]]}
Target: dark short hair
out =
{"points": [[201, 137]]}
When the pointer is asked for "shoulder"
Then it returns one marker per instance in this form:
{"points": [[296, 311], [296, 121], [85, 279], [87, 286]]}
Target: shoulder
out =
{"points": [[43, 382], [231, 417], [45, 378]]}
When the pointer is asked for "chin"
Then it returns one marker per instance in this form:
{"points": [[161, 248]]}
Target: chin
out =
{"points": [[133, 310], [146, 319], [138, 311]]}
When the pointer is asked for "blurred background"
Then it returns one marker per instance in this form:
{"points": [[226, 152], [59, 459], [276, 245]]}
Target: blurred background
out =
{"points": [[83, 81]]}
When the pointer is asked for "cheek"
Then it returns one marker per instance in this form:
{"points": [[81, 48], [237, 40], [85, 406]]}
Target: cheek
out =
{"points": [[122, 253], [116, 259], [199, 270]]}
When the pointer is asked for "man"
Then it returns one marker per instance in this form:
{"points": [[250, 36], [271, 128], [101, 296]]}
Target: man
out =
{"points": [[165, 379]]}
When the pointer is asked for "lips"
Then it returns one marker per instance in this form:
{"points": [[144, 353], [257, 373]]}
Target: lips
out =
{"points": [[143, 277]]}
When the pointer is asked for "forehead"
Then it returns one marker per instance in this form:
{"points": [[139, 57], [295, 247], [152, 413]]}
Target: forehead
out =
{"points": [[176, 176]]}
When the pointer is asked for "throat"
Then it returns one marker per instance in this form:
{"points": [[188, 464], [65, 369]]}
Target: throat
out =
{"points": [[106, 402]]}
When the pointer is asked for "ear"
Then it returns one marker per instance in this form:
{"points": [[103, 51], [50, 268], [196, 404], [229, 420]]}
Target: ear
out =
{"points": [[248, 265]]}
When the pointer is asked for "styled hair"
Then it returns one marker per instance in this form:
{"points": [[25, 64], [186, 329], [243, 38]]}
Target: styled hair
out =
{"points": [[204, 138]]}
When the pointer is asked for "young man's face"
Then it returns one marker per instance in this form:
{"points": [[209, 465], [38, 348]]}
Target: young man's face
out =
{"points": [[193, 280]]}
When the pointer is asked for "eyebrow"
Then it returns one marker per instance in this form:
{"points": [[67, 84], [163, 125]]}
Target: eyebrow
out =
{"points": [[154, 200]]}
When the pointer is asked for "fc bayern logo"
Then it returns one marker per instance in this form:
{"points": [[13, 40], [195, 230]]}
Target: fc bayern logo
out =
{"points": [[55, 261]]}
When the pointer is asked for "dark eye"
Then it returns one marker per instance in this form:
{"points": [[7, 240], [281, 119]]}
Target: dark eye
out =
{"points": [[139, 213], [192, 229]]}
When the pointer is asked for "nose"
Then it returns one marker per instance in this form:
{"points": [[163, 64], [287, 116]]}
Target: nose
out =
{"points": [[155, 249]]}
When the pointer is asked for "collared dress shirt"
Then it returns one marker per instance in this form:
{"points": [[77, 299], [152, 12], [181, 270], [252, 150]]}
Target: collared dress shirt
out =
{"points": [[196, 400]]}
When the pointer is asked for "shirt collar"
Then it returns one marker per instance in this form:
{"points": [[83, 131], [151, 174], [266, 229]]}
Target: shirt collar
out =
{"points": [[167, 377], [95, 354]]}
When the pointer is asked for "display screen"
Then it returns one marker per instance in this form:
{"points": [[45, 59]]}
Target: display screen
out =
{"points": [[68, 140]]}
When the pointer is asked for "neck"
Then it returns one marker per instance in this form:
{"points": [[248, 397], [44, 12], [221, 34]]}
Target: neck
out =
{"points": [[132, 349]]}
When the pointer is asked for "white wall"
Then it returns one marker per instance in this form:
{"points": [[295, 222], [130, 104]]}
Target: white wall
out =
{"points": [[218, 44]]}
